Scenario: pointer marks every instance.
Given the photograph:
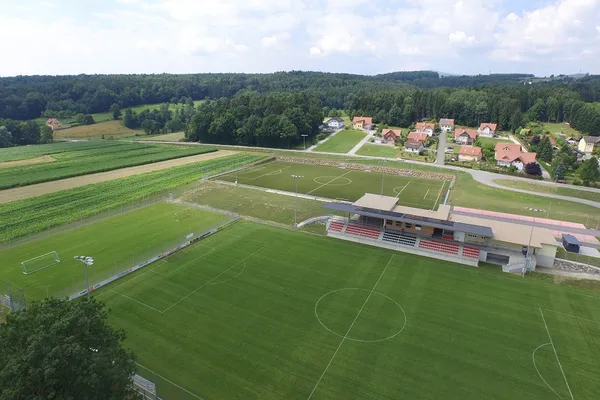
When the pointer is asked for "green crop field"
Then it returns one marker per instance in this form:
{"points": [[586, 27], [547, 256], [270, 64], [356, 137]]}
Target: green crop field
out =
{"points": [[24, 217], [85, 158], [116, 243], [343, 142], [376, 150], [343, 184], [257, 312]]}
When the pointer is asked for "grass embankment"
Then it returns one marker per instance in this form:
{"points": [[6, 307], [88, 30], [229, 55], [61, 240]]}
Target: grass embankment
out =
{"points": [[39, 213], [82, 158], [343, 142], [554, 189]]}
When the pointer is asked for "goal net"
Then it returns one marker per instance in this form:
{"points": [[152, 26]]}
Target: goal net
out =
{"points": [[182, 215], [40, 262]]}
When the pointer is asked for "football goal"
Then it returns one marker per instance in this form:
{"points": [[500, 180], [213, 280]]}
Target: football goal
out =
{"points": [[40, 262], [182, 215]]}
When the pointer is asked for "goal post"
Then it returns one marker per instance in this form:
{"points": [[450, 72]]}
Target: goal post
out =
{"points": [[40, 262]]}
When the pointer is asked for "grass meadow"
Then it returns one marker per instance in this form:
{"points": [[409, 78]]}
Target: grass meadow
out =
{"points": [[82, 158], [343, 142], [100, 130], [258, 312], [377, 150], [341, 184], [555, 189]]}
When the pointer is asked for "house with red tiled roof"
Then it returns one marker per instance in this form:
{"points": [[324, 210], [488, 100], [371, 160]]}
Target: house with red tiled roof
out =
{"points": [[425, 127], [418, 137], [362, 122], [391, 135], [470, 153], [446, 125], [487, 130], [413, 146], [53, 123], [465, 136], [511, 154]]}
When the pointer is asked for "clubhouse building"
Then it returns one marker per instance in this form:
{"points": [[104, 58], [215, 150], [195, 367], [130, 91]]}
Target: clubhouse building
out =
{"points": [[467, 239]]}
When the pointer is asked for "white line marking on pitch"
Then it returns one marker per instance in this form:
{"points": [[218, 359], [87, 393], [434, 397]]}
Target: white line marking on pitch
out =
{"points": [[274, 172], [400, 192], [555, 353], [538, 371], [426, 194], [137, 301], [209, 282], [327, 183], [572, 316], [349, 329], [211, 249], [438, 196]]}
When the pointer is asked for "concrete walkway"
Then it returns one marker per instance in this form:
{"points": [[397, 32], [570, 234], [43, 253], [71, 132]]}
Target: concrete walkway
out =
{"points": [[361, 143], [441, 150]]}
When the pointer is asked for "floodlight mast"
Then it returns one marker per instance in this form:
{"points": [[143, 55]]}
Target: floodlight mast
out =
{"points": [[87, 261], [296, 177]]}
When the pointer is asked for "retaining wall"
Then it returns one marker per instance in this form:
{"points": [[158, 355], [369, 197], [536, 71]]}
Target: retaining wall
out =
{"points": [[573, 266]]}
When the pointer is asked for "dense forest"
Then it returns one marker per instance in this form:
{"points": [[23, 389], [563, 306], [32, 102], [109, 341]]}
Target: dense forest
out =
{"points": [[398, 98]]}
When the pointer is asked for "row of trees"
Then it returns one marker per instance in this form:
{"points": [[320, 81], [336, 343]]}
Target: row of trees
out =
{"points": [[255, 119], [20, 133]]}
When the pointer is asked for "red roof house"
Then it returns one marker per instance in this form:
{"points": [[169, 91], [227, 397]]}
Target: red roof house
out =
{"points": [[465, 136], [470, 153], [487, 129], [391, 135], [508, 154], [362, 122], [418, 137]]}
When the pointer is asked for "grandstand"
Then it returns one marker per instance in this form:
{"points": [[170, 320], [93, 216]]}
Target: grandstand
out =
{"points": [[378, 220]]}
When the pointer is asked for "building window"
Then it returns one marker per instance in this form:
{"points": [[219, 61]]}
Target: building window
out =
{"points": [[389, 222], [418, 227], [407, 225]]}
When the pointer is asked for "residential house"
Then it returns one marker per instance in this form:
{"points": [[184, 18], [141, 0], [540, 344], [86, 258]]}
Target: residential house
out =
{"points": [[425, 127], [508, 154], [470, 153], [446, 125], [53, 123], [362, 122], [391, 135], [465, 136], [588, 144], [418, 137], [335, 123], [487, 130], [413, 146]]}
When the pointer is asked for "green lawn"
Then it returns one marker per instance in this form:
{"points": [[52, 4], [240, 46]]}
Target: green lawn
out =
{"points": [[555, 189], [491, 142], [556, 128], [377, 150], [115, 243], [338, 183], [256, 312], [343, 142], [82, 158]]}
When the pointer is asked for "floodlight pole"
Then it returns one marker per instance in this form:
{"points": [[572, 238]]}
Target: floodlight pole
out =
{"points": [[528, 258], [304, 137], [87, 261], [296, 177], [382, 175]]}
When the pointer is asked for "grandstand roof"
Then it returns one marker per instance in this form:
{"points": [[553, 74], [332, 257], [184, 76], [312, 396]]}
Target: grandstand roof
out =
{"points": [[376, 201]]}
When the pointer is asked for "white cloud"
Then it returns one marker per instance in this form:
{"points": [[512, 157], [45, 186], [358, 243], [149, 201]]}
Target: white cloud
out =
{"points": [[461, 38]]}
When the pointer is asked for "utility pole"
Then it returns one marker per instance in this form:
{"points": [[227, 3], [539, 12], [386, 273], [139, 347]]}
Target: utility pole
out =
{"points": [[304, 137], [87, 261], [296, 177]]}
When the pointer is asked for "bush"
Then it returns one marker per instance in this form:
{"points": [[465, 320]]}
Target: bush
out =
{"points": [[322, 136], [577, 182]]}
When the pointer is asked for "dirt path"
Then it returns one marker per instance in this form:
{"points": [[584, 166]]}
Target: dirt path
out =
{"points": [[26, 192], [29, 161]]}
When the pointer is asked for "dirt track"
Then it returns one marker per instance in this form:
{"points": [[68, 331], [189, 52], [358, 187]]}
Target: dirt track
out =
{"points": [[29, 161], [26, 192]]}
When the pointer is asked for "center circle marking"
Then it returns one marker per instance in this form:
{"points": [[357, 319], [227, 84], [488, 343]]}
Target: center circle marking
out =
{"points": [[327, 180], [354, 339]]}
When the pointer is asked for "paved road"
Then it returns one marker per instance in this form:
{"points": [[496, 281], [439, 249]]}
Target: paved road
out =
{"points": [[361, 143], [441, 150]]}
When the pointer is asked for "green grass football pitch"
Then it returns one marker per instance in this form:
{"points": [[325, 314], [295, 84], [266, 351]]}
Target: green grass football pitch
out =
{"points": [[257, 312], [340, 183], [115, 243]]}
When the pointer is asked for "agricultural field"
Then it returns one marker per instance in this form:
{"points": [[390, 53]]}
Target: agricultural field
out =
{"points": [[554, 189], [81, 159], [25, 217], [377, 150], [102, 130], [116, 243], [258, 312], [167, 137], [343, 142], [341, 184]]}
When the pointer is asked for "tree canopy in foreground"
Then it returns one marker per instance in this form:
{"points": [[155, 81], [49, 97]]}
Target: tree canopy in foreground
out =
{"points": [[56, 349]]}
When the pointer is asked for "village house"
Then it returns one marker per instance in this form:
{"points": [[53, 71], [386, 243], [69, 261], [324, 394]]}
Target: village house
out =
{"points": [[413, 146], [470, 153], [391, 135], [487, 130], [426, 127], [465, 136], [418, 137], [446, 125], [362, 122], [511, 154], [588, 144], [53, 123], [335, 123]]}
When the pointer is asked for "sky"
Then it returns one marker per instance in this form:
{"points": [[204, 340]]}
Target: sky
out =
{"points": [[59, 37]]}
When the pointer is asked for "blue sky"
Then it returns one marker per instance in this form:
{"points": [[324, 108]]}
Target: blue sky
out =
{"points": [[356, 36]]}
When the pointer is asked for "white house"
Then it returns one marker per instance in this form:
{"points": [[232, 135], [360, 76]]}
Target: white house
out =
{"points": [[335, 123], [446, 125], [465, 136], [425, 127], [510, 154], [487, 129], [413, 146]]}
